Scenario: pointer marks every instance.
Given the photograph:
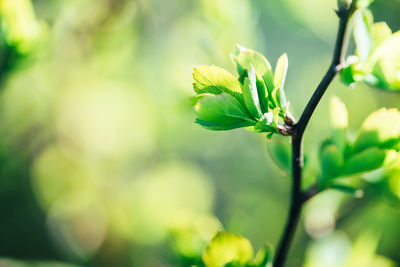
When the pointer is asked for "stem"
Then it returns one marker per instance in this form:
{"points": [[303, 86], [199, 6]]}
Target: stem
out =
{"points": [[299, 129]]}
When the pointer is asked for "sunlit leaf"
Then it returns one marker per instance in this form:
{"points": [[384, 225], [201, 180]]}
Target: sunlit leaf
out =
{"points": [[280, 71], [380, 129], [21, 27], [362, 35], [220, 112], [380, 32], [250, 94], [363, 3], [386, 62], [227, 248], [244, 57], [214, 80]]}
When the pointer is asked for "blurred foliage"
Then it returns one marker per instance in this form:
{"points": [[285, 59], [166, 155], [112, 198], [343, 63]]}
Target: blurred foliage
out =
{"points": [[102, 165]]}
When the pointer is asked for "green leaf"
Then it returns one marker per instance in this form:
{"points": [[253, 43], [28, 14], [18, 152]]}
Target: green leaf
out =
{"points": [[380, 32], [347, 76], [280, 71], [214, 80], [227, 248], [365, 161], [386, 62], [244, 57], [362, 33], [279, 81], [220, 112], [262, 95], [331, 162], [268, 122], [380, 129], [263, 256], [363, 3], [250, 94], [278, 99]]}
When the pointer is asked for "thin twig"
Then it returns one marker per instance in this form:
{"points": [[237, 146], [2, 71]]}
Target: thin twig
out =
{"points": [[297, 137]]}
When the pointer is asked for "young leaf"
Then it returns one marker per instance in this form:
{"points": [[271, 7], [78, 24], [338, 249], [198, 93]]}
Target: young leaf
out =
{"points": [[279, 81], [280, 71], [362, 33], [214, 80], [380, 32], [220, 112], [227, 248], [386, 62], [244, 57], [250, 94], [267, 123], [278, 99], [380, 129], [262, 95], [263, 257]]}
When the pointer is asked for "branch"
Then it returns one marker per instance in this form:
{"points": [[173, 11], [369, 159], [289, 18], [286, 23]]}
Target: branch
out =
{"points": [[299, 129]]}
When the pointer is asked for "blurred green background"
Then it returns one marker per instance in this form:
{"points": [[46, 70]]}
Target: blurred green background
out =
{"points": [[101, 163]]}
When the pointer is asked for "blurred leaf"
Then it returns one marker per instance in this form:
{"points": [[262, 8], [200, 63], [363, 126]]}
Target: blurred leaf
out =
{"points": [[380, 32], [227, 248], [250, 94], [376, 60], [214, 80], [347, 76], [331, 162], [364, 161], [364, 252], [364, 3], [220, 112], [21, 27], [386, 63], [263, 256], [191, 235], [280, 151], [380, 129]]}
